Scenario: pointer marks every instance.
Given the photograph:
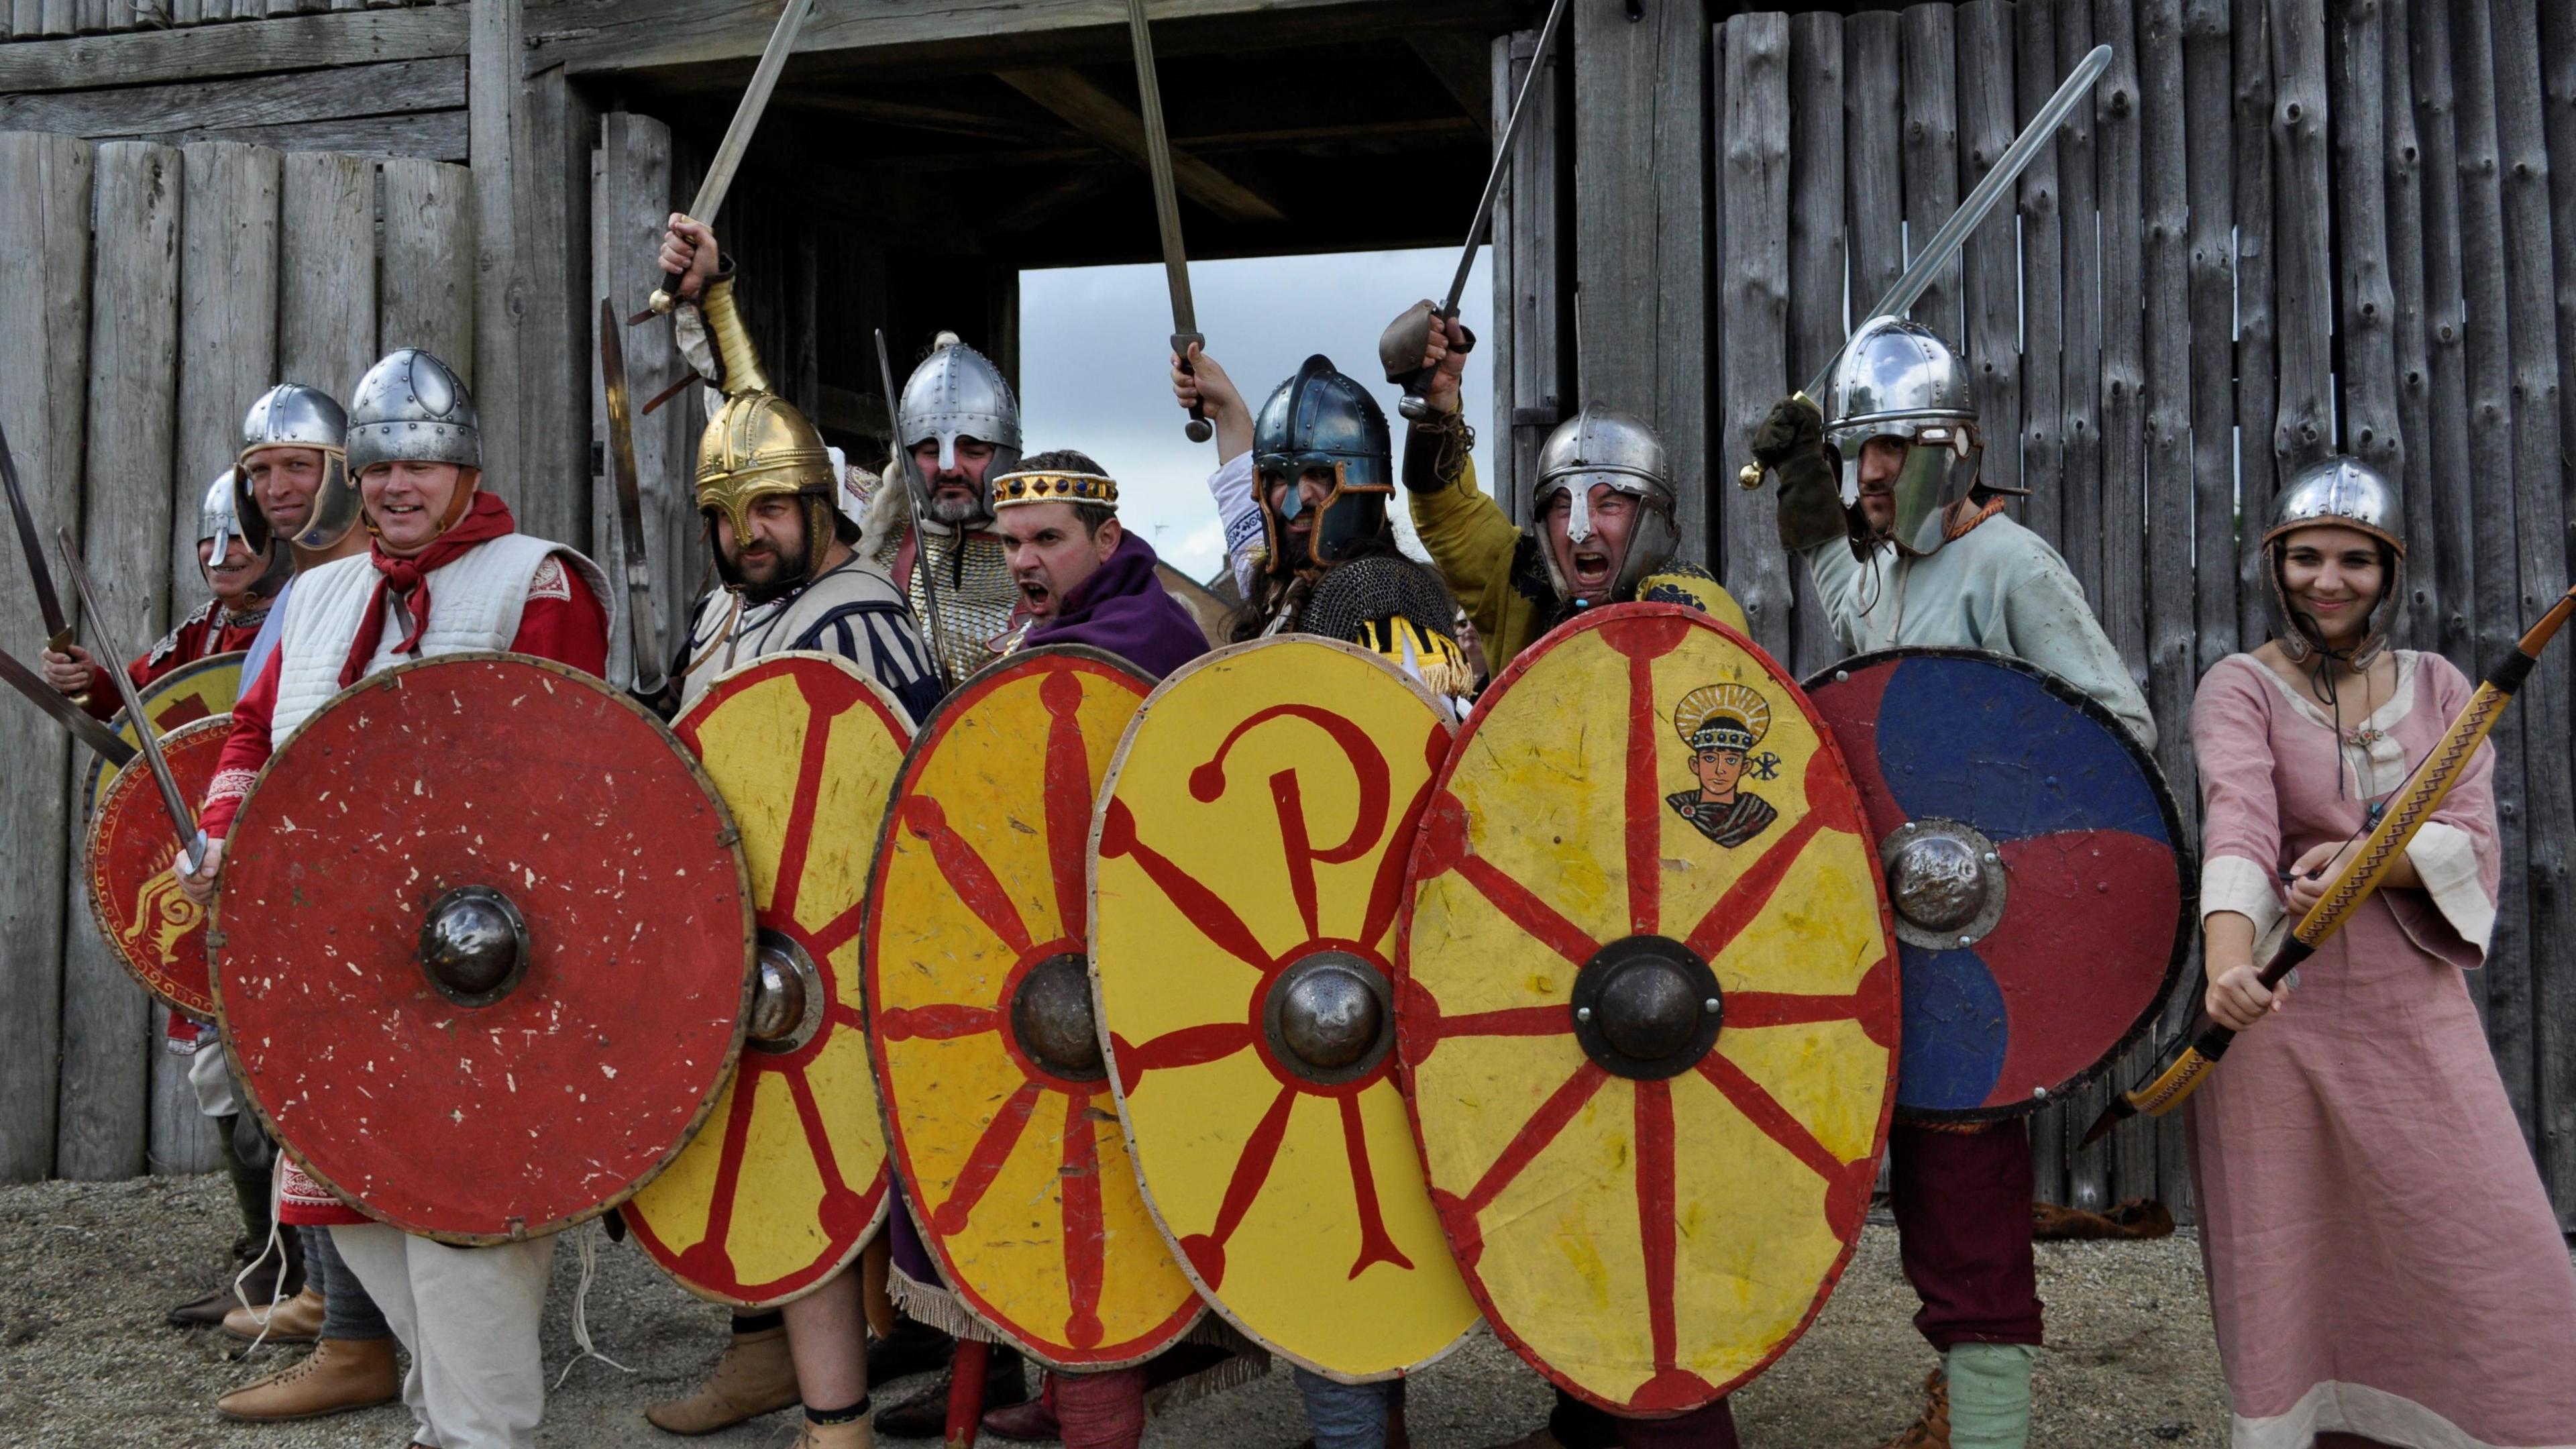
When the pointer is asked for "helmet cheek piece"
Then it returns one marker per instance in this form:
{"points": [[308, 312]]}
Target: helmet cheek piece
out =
{"points": [[1351, 513]]}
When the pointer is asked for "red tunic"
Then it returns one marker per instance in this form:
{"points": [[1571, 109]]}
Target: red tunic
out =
{"points": [[211, 630]]}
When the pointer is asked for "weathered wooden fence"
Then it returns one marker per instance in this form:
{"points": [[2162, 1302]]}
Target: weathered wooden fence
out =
{"points": [[2283, 228], [154, 291]]}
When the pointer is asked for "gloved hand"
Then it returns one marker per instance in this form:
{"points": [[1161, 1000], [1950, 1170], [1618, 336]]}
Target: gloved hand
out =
{"points": [[1795, 426], [1791, 442]]}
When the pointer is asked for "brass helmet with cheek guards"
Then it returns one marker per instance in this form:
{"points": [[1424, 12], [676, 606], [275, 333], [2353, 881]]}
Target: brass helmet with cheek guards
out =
{"points": [[757, 444], [1600, 447]]}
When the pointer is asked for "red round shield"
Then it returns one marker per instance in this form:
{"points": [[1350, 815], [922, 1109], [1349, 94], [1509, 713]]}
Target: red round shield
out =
{"points": [[493, 814], [157, 932]]}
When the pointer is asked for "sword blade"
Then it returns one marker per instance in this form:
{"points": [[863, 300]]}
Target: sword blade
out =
{"points": [[57, 626], [1158, 157], [899, 471], [1953, 234], [192, 841], [643, 625], [746, 116], [101, 740], [1502, 159]]}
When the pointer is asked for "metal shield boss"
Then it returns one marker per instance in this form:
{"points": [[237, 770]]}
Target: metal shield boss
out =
{"points": [[1647, 1002], [788, 1180], [2032, 853], [199, 689], [1247, 866], [998, 1108], [129, 868], [483, 946]]}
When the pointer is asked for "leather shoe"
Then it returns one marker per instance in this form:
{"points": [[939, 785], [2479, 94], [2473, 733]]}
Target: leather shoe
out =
{"points": [[297, 1320], [259, 1286], [1034, 1420], [339, 1375], [925, 1415], [754, 1376], [913, 1348]]}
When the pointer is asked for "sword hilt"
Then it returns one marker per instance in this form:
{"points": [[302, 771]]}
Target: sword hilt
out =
{"points": [[63, 643], [1198, 428]]}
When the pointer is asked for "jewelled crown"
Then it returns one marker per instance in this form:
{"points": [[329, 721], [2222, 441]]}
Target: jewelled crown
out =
{"points": [[1054, 486]]}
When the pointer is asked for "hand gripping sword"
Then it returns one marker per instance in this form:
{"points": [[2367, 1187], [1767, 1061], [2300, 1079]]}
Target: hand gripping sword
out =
{"points": [[1953, 235], [643, 625], [57, 628], [1167, 208], [1401, 349], [737, 136], [2359, 879], [192, 841]]}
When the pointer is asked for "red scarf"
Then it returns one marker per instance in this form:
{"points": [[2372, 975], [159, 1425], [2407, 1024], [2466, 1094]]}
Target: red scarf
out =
{"points": [[488, 519]]}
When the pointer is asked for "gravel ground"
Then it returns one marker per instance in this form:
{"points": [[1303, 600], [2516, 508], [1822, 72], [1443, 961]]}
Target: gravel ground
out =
{"points": [[86, 1270]]}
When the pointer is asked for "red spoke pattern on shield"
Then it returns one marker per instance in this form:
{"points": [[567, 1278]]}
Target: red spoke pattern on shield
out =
{"points": [[1652, 1104]]}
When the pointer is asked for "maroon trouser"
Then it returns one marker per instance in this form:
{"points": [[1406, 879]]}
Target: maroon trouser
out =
{"points": [[1962, 1204], [1578, 1425]]}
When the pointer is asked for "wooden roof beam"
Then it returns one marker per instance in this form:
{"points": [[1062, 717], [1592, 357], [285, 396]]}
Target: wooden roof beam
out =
{"points": [[1106, 119]]}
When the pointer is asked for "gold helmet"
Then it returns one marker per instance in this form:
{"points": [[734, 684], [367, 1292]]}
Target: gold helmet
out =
{"points": [[758, 444]]}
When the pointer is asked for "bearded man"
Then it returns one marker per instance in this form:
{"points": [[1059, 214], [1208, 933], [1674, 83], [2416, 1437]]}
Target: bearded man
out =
{"points": [[446, 572]]}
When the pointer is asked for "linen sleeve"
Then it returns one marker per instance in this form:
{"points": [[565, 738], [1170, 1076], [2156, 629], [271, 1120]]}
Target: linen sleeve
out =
{"points": [[1833, 570], [1239, 513], [245, 750], [2051, 625], [2456, 853], [2240, 834]]}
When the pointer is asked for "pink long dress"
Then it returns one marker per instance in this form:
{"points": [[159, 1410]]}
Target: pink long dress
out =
{"points": [[2382, 1258]]}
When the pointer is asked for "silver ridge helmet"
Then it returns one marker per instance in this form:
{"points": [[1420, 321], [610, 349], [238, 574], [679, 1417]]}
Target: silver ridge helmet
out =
{"points": [[1321, 418], [413, 407], [956, 393], [292, 415], [1898, 379], [1602, 447], [218, 522], [2348, 493]]}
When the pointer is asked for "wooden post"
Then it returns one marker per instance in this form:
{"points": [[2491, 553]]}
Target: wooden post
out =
{"points": [[1992, 271], [1874, 148], [2405, 214], [550, 472], [44, 310], [2445, 446], [2556, 1100], [2547, 795], [133, 388], [1529, 276], [2257, 391], [2171, 601], [631, 205], [1753, 146], [2043, 322], [1931, 73], [2363, 323], [496, 134], [228, 315], [1640, 224], [2302, 213], [2208, 137], [2080, 360], [1818, 273], [326, 303], [2485, 289], [426, 299]]}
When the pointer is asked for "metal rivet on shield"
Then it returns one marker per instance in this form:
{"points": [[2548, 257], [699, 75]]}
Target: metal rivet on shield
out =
{"points": [[1712, 1005], [1842, 676], [1583, 1013], [2039, 1094], [1967, 940], [1992, 858]]}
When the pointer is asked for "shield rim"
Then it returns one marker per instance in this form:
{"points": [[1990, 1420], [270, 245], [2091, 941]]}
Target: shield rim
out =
{"points": [[729, 834], [1522, 663], [151, 984], [1100, 1013], [2186, 868], [885, 698], [933, 728], [151, 694]]}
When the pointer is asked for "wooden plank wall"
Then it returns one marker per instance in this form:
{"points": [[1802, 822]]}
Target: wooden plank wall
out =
{"points": [[2283, 228], [149, 293], [48, 19]]}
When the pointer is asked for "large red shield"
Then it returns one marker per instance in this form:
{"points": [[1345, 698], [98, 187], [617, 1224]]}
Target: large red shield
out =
{"points": [[483, 947], [156, 932]]}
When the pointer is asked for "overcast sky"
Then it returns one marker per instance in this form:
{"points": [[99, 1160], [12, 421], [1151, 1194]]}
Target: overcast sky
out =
{"points": [[1095, 344]]}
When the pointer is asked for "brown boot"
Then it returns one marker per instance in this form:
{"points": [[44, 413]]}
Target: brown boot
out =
{"points": [[339, 1375], [753, 1377], [259, 1285], [1932, 1431], [297, 1320]]}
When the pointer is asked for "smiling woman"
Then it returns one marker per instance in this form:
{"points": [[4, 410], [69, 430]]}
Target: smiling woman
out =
{"points": [[1094, 343]]}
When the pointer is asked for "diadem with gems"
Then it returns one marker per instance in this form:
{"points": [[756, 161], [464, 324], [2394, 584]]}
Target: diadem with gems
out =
{"points": [[1055, 486], [1722, 717]]}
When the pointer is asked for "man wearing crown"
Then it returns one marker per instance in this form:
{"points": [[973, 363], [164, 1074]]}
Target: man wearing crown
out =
{"points": [[1722, 723]]}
